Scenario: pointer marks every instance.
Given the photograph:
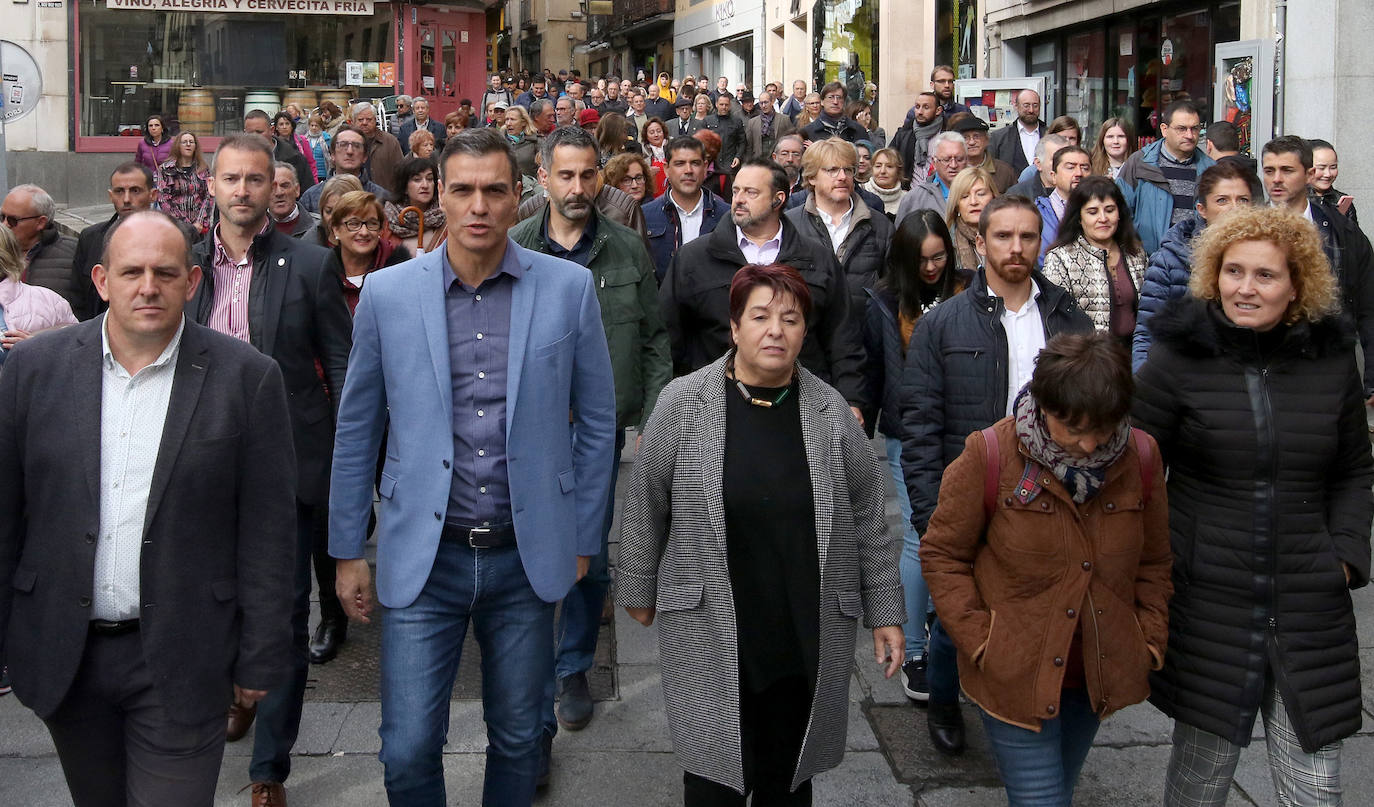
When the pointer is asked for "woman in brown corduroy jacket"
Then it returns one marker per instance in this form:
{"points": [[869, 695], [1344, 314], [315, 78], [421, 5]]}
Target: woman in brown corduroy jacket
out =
{"points": [[1054, 587]]}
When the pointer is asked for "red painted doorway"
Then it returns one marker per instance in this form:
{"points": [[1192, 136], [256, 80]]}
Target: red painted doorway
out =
{"points": [[445, 58]]}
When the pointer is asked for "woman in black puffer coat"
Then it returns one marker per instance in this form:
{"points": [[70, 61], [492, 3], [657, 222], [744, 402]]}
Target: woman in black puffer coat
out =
{"points": [[1252, 392]]}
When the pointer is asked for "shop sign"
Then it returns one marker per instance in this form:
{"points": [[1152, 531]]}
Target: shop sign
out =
{"points": [[345, 7], [723, 11]]}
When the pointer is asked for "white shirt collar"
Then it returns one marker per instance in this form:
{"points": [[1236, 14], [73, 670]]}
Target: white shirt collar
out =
{"points": [[1307, 211], [1030, 301], [672, 197], [837, 221], [167, 356]]}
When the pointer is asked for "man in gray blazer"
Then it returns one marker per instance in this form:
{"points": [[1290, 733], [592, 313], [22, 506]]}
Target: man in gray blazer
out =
{"points": [[146, 529]]}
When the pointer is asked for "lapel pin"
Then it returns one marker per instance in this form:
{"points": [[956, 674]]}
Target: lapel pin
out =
{"points": [[281, 261]]}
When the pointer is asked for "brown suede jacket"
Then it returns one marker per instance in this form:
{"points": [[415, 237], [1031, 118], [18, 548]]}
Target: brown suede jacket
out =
{"points": [[1010, 591]]}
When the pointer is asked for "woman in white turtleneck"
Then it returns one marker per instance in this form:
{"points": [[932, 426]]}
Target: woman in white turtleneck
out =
{"points": [[886, 182]]}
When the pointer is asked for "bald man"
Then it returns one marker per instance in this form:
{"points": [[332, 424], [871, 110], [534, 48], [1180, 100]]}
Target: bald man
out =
{"points": [[146, 594]]}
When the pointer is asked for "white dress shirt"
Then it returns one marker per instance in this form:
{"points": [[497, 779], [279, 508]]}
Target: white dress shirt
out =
{"points": [[690, 220], [1030, 138], [762, 254], [838, 227], [1025, 339], [132, 412]]}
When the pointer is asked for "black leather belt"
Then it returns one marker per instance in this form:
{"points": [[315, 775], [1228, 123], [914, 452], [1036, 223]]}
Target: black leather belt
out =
{"points": [[495, 537], [105, 627]]}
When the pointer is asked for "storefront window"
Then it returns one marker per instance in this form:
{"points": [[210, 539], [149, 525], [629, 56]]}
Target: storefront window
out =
{"points": [[846, 44], [955, 31], [1085, 80], [206, 69], [1146, 61]]}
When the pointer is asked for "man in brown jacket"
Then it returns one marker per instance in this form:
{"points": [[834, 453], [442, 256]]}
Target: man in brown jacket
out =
{"points": [[384, 153]]}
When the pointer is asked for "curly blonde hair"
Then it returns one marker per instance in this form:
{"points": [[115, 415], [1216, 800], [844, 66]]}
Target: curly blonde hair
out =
{"points": [[1310, 272]]}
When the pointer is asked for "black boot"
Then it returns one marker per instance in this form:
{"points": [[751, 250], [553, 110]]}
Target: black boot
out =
{"points": [[946, 724], [328, 638]]}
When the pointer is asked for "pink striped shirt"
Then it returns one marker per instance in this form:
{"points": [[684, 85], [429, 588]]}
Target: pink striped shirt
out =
{"points": [[232, 279]]}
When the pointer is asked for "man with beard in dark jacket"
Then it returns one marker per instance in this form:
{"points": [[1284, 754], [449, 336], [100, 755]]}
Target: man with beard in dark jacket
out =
{"points": [[832, 122], [1287, 164], [968, 359], [695, 292]]}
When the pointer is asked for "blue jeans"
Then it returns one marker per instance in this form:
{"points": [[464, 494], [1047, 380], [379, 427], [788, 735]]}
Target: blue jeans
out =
{"points": [[917, 593], [1040, 769], [279, 714], [421, 646]]}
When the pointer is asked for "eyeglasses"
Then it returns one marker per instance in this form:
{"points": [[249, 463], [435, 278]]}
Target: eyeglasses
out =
{"points": [[348, 145], [637, 179], [836, 170], [938, 259], [1193, 129], [956, 160], [354, 225], [13, 220], [834, 96]]}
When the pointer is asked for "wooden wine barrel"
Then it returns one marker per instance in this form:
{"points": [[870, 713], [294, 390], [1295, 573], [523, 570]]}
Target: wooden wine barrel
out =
{"points": [[265, 100], [196, 111], [305, 99], [339, 97]]}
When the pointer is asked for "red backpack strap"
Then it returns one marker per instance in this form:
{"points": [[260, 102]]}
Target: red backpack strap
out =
{"points": [[1145, 451], [992, 476]]}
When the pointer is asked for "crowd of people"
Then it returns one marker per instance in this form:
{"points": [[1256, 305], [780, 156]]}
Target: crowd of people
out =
{"points": [[1117, 390]]}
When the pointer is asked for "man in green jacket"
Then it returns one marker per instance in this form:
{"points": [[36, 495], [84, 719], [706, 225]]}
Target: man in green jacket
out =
{"points": [[570, 227]]}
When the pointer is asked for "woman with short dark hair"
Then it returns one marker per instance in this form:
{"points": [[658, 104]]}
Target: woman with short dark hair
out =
{"points": [[1048, 559], [1097, 257], [1252, 391], [417, 185], [750, 472]]}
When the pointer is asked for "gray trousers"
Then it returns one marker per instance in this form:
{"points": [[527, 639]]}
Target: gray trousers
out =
{"points": [[1202, 764], [119, 746]]}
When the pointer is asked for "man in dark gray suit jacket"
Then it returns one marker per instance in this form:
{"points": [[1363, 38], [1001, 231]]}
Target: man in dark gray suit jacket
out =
{"points": [[146, 529], [268, 289]]}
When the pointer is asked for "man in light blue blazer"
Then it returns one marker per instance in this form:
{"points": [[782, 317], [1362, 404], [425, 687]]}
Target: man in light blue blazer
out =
{"points": [[487, 366]]}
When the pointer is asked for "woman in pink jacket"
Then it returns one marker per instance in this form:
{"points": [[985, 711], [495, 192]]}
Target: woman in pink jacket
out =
{"points": [[156, 145], [24, 309]]}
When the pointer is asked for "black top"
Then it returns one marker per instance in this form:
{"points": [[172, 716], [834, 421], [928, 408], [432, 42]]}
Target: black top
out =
{"points": [[771, 537]]}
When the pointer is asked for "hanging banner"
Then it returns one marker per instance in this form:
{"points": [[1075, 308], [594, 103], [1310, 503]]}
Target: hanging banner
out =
{"points": [[344, 7]]}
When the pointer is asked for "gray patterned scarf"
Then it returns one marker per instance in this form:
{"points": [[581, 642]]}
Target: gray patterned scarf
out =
{"points": [[1083, 476]]}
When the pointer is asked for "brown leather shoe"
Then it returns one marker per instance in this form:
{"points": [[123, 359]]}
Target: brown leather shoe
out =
{"points": [[240, 720], [267, 794]]}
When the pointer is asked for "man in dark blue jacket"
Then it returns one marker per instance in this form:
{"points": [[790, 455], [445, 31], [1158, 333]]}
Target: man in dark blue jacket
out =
{"points": [[686, 210], [968, 359]]}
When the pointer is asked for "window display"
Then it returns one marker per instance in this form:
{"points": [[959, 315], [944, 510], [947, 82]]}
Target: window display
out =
{"points": [[206, 69]]}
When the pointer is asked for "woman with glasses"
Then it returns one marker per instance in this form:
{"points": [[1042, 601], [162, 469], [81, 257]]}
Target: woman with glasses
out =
{"points": [[920, 274], [811, 109], [362, 242], [630, 173], [183, 184]]}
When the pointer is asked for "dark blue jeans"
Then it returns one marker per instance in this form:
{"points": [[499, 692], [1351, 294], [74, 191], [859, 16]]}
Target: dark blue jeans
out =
{"points": [[1040, 769], [279, 714], [942, 665], [421, 647]]}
